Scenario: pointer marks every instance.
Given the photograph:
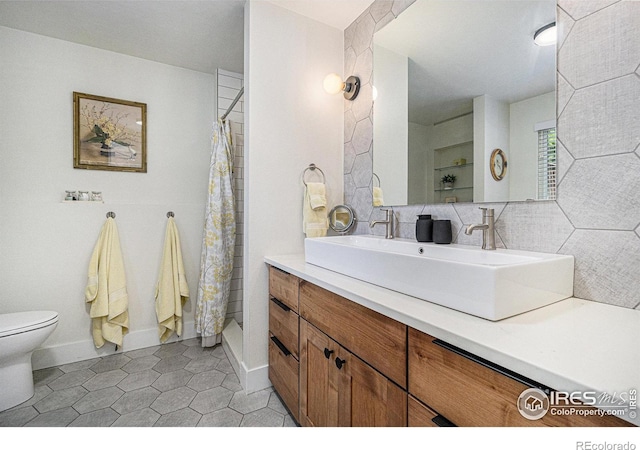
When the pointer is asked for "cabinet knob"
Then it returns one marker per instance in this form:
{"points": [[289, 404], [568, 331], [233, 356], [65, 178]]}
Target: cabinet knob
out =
{"points": [[340, 362], [327, 353]]}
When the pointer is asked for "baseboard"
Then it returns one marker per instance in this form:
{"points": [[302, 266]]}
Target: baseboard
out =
{"points": [[232, 345], [255, 379], [82, 350]]}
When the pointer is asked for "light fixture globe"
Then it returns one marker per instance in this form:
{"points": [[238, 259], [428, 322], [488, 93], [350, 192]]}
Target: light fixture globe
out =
{"points": [[547, 35], [333, 83]]}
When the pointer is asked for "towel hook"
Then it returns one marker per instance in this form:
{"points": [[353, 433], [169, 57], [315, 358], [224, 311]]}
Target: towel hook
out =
{"points": [[111, 214], [170, 214], [313, 168]]}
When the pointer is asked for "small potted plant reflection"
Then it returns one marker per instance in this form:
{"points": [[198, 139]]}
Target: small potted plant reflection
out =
{"points": [[448, 181]]}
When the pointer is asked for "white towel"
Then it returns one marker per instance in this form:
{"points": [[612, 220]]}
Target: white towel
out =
{"points": [[315, 222], [317, 196], [107, 288], [378, 199], [172, 290]]}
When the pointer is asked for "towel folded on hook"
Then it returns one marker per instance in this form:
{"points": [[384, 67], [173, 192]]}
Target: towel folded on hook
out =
{"points": [[106, 288], [315, 222], [172, 290], [378, 199], [317, 196]]}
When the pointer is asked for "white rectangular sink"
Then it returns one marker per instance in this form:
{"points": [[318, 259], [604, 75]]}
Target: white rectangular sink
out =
{"points": [[492, 284]]}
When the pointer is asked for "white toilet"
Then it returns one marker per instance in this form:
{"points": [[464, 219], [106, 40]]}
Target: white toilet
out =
{"points": [[20, 334]]}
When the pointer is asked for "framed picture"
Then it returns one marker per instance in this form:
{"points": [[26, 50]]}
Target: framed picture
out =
{"points": [[109, 134]]}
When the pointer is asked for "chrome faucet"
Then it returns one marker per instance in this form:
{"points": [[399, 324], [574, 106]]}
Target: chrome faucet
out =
{"points": [[488, 229], [389, 222]]}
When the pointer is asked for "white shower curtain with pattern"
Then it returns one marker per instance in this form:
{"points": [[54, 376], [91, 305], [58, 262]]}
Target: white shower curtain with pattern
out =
{"points": [[218, 240]]}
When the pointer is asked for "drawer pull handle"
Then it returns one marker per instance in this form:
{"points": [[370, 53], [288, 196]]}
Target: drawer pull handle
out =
{"points": [[280, 304], [442, 422], [327, 353], [281, 346], [489, 365], [340, 363]]}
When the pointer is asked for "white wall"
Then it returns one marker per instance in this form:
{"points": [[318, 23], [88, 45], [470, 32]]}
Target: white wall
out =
{"points": [[420, 164], [523, 164], [290, 123], [391, 108], [46, 244], [491, 131]]}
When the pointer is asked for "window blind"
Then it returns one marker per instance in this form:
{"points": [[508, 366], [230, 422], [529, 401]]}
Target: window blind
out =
{"points": [[547, 164]]}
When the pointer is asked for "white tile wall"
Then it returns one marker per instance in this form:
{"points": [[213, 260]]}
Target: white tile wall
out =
{"points": [[598, 137], [229, 84]]}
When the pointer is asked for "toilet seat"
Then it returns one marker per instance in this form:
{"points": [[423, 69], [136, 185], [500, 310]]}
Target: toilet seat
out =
{"points": [[21, 322]]}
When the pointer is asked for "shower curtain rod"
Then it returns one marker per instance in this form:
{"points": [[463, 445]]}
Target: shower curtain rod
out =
{"points": [[233, 103]]}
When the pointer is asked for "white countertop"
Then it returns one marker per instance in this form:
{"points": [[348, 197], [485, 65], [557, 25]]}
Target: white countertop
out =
{"points": [[572, 345]]}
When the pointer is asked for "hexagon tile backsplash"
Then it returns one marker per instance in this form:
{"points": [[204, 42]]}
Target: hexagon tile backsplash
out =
{"points": [[599, 140]]}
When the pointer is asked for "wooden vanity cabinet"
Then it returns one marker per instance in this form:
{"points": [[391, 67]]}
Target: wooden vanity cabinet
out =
{"points": [[339, 389], [284, 366], [335, 362]]}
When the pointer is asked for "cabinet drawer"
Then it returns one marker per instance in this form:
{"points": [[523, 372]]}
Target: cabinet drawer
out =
{"points": [[284, 287], [283, 373], [378, 340], [463, 391], [423, 416], [283, 323], [471, 394]]}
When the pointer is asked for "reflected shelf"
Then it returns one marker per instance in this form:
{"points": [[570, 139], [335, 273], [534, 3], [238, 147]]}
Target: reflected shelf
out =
{"points": [[454, 167]]}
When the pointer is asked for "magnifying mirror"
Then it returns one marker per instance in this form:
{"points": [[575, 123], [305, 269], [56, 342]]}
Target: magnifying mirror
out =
{"points": [[341, 218]]}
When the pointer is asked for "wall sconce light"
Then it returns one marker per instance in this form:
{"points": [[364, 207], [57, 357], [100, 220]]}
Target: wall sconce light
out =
{"points": [[333, 84], [547, 35]]}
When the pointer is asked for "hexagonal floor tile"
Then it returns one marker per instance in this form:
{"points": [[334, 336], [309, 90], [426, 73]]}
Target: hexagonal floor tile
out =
{"points": [[135, 400], [60, 399], [175, 348], [138, 380], [173, 400], [186, 417], [110, 363], [101, 418], [206, 380], [96, 400], [58, 418], [142, 418], [263, 418], [246, 403], [104, 379], [225, 417], [211, 400], [141, 364], [171, 363], [169, 381]]}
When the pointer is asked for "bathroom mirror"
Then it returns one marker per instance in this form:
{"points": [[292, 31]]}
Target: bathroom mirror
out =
{"points": [[341, 218], [456, 80]]}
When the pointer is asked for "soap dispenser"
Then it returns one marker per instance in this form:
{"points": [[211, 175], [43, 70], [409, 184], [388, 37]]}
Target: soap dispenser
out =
{"points": [[424, 228]]}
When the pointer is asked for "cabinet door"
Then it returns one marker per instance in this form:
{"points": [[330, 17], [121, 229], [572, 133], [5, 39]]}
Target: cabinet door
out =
{"points": [[318, 378], [339, 389], [373, 399]]}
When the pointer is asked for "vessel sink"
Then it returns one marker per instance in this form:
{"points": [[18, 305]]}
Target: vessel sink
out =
{"points": [[491, 284]]}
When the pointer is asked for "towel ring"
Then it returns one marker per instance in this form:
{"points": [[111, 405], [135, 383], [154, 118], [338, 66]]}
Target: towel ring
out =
{"points": [[111, 214], [170, 214], [312, 167], [377, 178]]}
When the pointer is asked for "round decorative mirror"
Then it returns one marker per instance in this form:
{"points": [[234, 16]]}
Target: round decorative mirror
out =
{"points": [[341, 218]]}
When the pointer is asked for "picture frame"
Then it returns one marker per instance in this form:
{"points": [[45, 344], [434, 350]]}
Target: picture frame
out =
{"points": [[109, 134]]}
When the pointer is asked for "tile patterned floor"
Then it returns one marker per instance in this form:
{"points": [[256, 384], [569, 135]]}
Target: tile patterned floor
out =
{"points": [[172, 385]]}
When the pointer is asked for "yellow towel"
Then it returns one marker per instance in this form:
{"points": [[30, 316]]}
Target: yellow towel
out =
{"points": [[378, 199], [317, 196], [314, 221], [172, 290], [107, 288]]}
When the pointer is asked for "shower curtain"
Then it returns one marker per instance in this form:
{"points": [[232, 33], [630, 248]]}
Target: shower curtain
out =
{"points": [[218, 240]]}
